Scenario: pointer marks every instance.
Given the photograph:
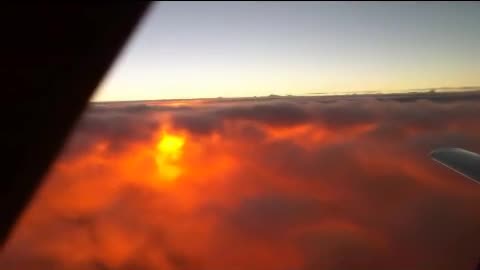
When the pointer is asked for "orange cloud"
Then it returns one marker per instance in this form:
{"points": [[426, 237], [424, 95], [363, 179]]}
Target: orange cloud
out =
{"points": [[299, 183]]}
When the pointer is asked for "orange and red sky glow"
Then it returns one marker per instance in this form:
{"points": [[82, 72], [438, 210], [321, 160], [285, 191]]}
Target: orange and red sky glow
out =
{"points": [[286, 183]]}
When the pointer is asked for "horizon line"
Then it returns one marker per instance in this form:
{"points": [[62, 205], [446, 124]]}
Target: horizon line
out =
{"points": [[444, 90]]}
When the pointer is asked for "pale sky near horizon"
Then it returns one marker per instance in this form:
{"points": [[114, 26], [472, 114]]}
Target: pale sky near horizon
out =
{"points": [[233, 49]]}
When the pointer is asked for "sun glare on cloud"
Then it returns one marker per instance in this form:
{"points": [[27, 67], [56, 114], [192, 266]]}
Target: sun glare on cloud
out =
{"points": [[168, 153]]}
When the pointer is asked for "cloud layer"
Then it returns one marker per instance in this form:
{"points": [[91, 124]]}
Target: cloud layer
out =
{"points": [[285, 183]]}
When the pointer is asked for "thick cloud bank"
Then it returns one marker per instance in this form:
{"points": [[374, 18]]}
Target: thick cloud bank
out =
{"points": [[284, 183]]}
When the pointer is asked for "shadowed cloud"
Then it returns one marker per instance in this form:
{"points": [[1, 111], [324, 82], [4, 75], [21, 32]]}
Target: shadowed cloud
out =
{"points": [[281, 183]]}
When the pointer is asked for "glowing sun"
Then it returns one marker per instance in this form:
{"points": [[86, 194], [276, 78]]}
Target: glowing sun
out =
{"points": [[168, 153]]}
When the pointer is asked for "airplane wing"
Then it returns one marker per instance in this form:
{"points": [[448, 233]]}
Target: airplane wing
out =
{"points": [[53, 58], [459, 160]]}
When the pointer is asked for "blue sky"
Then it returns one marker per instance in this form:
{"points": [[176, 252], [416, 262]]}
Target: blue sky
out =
{"points": [[211, 49]]}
